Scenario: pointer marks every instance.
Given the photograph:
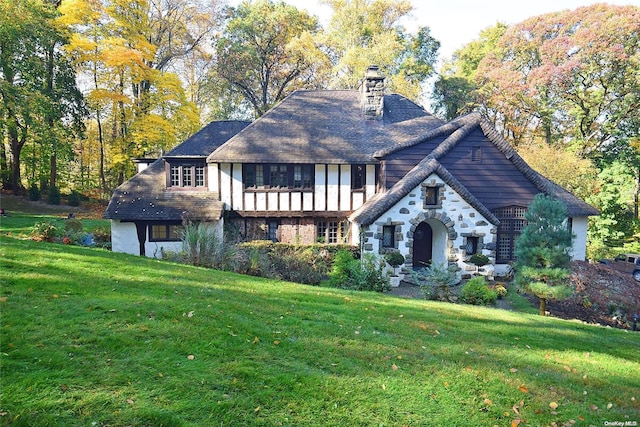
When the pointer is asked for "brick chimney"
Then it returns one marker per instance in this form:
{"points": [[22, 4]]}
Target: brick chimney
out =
{"points": [[372, 93]]}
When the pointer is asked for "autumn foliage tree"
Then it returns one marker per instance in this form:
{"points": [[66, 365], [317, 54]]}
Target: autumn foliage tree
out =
{"points": [[41, 108], [266, 52], [364, 32]]}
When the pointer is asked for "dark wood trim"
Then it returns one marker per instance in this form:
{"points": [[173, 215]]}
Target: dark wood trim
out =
{"points": [[288, 214]]}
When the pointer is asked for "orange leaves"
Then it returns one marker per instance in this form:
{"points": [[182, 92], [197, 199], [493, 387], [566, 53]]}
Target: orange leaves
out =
{"points": [[523, 389]]}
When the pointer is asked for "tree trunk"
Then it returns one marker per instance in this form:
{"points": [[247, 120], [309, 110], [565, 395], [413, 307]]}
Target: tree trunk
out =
{"points": [[15, 145], [543, 307]]}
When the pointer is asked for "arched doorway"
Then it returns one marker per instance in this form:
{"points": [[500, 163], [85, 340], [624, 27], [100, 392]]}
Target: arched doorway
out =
{"points": [[422, 246]]}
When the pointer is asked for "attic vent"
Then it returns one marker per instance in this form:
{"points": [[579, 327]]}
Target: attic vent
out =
{"points": [[476, 154]]}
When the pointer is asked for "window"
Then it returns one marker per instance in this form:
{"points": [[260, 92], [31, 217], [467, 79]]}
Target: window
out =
{"points": [[511, 224], [302, 176], [388, 236], [272, 230], [331, 231], [472, 245], [358, 176], [187, 175], [199, 176], [253, 176], [279, 176], [175, 176], [431, 196], [165, 232]]}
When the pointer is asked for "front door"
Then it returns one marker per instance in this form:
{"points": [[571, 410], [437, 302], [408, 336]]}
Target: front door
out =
{"points": [[422, 246]]}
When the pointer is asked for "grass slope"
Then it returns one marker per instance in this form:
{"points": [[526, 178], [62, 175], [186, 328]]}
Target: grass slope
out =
{"points": [[93, 338]]}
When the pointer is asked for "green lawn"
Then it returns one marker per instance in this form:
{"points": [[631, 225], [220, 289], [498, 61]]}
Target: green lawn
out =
{"points": [[93, 338]]}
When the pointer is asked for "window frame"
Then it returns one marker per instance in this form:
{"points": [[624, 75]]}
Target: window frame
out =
{"points": [[278, 176], [331, 231], [388, 232], [187, 175], [512, 221], [171, 232], [358, 177]]}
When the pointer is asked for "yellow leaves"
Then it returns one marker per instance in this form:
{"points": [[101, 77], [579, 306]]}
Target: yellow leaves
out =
{"points": [[553, 405]]}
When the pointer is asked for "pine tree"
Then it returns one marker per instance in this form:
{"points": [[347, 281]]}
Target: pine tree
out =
{"points": [[542, 251]]}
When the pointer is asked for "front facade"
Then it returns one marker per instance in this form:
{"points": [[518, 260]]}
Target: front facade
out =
{"points": [[358, 167]]}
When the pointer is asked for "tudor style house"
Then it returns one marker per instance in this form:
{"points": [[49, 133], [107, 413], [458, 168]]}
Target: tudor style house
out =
{"points": [[363, 167]]}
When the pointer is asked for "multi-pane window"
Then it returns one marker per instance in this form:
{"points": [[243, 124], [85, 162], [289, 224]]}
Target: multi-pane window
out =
{"points": [[331, 231], [358, 176], [199, 176], [165, 233], [175, 176], [277, 175], [511, 224], [388, 236], [302, 176], [187, 175]]}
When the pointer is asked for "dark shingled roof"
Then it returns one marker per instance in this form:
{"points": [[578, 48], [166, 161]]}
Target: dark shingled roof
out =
{"points": [[457, 130], [144, 198], [207, 139], [325, 127]]}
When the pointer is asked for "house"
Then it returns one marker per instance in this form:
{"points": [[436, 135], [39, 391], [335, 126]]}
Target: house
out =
{"points": [[363, 167]]}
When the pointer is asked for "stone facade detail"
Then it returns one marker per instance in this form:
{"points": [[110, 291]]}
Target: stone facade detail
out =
{"points": [[453, 220]]}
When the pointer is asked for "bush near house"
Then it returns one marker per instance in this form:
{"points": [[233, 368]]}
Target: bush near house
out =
{"points": [[477, 292]]}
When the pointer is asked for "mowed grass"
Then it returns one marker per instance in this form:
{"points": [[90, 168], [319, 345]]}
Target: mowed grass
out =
{"points": [[93, 338]]}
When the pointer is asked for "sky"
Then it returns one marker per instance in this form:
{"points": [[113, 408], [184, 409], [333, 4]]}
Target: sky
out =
{"points": [[457, 22]]}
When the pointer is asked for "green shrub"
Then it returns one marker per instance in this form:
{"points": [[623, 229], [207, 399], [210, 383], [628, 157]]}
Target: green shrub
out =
{"points": [[360, 275], [73, 225], [54, 197], [436, 282], [74, 198], [479, 259], [34, 193], [477, 292], [394, 259], [45, 231], [102, 236]]}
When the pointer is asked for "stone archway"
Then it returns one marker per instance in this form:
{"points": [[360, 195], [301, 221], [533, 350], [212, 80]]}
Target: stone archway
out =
{"points": [[442, 238]]}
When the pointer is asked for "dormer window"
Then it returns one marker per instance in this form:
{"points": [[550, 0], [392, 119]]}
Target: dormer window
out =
{"points": [[187, 175]]}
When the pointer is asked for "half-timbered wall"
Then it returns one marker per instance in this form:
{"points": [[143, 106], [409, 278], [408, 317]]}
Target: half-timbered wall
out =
{"points": [[331, 191]]}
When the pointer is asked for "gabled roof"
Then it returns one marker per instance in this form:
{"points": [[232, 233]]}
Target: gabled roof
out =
{"points": [[456, 131], [207, 139], [325, 127], [144, 198]]}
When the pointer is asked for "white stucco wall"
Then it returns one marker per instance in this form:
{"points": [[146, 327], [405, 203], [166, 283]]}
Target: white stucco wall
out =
{"points": [[579, 228], [452, 222], [124, 237]]}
